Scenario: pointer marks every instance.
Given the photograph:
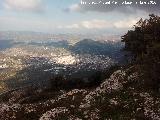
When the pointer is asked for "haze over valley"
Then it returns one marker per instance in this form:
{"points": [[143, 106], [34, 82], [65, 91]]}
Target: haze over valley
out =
{"points": [[30, 58]]}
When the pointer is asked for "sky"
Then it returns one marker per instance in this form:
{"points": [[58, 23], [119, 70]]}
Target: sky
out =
{"points": [[73, 16]]}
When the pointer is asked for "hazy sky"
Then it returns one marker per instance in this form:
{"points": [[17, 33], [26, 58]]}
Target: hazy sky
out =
{"points": [[66, 16]]}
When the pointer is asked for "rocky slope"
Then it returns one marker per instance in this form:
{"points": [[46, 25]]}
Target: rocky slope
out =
{"points": [[117, 98]]}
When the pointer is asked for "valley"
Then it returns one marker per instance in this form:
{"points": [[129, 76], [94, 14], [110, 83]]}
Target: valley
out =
{"points": [[35, 63]]}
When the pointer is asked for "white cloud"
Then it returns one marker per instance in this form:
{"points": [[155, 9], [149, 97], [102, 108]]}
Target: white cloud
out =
{"points": [[98, 24], [102, 24], [24, 5], [23, 24], [74, 7], [88, 24], [73, 26], [125, 23]]}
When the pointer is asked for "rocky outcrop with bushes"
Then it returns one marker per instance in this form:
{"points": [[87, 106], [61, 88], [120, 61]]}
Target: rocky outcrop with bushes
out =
{"points": [[117, 97]]}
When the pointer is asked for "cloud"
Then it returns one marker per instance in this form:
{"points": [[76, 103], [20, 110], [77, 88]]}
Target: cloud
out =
{"points": [[24, 5], [102, 24], [73, 26], [128, 23], [88, 24], [14, 23], [98, 24], [74, 7], [100, 6]]}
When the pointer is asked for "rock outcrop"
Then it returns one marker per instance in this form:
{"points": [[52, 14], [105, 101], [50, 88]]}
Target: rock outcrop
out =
{"points": [[115, 98]]}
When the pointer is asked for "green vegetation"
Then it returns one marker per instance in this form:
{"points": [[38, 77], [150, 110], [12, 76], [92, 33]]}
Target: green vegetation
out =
{"points": [[143, 42]]}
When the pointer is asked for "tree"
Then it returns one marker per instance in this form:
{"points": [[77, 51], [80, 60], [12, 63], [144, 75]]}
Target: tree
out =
{"points": [[144, 39], [144, 44]]}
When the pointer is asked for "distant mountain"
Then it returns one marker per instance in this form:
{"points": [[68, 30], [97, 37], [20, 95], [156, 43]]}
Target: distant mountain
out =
{"points": [[5, 44], [89, 46], [61, 44]]}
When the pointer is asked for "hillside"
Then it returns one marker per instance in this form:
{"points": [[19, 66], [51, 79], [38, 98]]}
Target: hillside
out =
{"points": [[118, 97], [88, 46], [125, 92]]}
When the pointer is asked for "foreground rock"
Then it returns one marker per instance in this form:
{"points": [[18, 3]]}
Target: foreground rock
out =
{"points": [[115, 98]]}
